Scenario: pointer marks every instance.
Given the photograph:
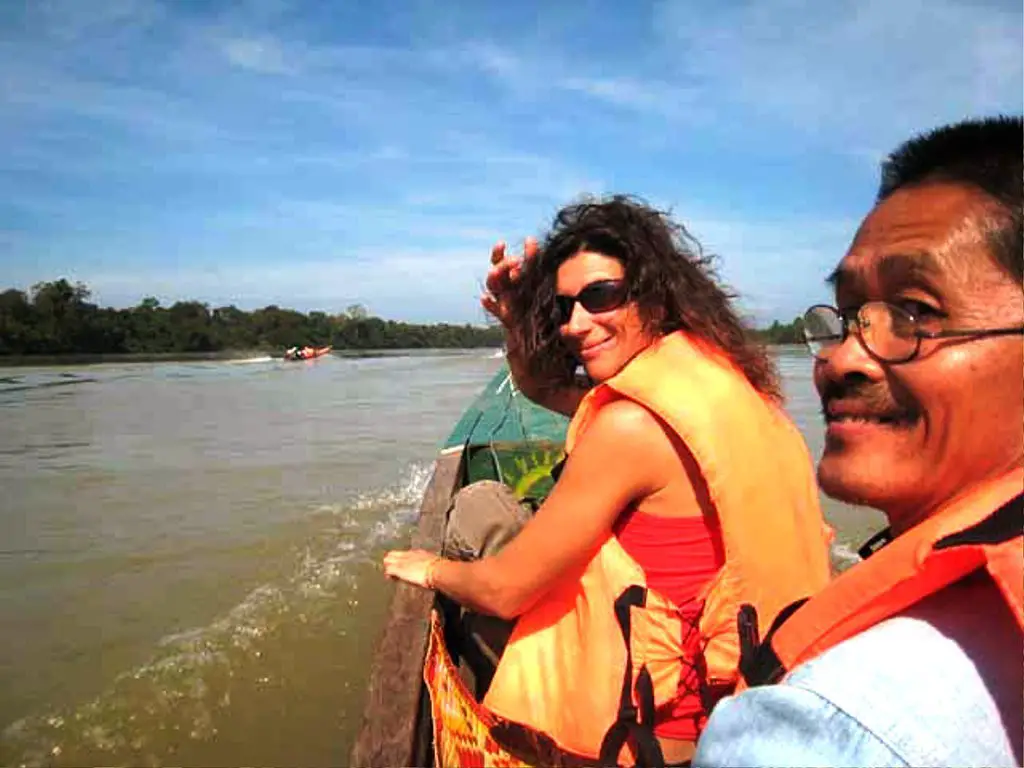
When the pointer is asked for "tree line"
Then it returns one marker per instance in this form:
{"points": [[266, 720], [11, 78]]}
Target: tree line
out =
{"points": [[55, 318], [782, 333]]}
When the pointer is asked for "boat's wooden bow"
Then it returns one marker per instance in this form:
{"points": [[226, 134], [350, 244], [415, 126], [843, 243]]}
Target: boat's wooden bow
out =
{"points": [[396, 698]]}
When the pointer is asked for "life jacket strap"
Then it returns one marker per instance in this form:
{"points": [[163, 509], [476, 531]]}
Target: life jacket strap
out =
{"points": [[633, 723], [759, 664], [1004, 524], [875, 543]]}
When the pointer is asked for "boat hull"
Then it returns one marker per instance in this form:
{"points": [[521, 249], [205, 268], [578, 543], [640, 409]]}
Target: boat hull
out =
{"points": [[311, 354], [501, 436]]}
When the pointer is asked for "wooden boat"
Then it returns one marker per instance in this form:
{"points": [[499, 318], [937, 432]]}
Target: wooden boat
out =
{"points": [[501, 436], [306, 353]]}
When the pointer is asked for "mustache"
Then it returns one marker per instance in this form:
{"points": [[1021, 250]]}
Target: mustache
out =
{"points": [[868, 396]]}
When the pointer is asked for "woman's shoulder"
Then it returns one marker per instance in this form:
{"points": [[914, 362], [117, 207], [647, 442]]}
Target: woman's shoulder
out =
{"points": [[628, 442], [629, 424]]}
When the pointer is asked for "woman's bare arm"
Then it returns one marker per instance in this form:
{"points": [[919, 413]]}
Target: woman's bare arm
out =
{"points": [[624, 457]]}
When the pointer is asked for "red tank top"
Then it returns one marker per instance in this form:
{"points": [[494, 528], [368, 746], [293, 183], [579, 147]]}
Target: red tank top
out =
{"points": [[679, 555]]}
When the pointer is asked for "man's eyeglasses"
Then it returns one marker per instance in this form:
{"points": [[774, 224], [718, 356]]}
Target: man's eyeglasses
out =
{"points": [[889, 333], [599, 296]]}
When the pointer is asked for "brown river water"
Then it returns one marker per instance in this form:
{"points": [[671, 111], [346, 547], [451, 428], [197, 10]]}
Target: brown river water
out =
{"points": [[189, 552]]}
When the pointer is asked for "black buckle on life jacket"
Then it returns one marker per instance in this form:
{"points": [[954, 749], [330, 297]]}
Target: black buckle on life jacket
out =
{"points": [[1004, 524], [631, 722], [875, 543], [759, 664]]}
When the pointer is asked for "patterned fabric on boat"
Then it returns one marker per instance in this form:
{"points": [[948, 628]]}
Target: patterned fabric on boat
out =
{"points": [[466, 733]]}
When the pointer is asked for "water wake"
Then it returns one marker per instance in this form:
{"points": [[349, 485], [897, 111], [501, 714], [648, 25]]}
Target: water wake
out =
{"points": [[198, 680], [843, 556]]}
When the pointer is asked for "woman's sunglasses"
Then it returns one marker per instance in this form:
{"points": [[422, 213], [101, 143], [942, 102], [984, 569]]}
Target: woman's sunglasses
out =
{"points": [[599, 296]]}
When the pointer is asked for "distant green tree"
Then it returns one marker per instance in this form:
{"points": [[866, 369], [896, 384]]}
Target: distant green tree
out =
{"points": [[17, 324], [56, 317], [62, 315], [190, 327], [782, 333]]}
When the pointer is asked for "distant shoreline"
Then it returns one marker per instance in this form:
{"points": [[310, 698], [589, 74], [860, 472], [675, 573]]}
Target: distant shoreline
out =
{"points": [[75, 358]]}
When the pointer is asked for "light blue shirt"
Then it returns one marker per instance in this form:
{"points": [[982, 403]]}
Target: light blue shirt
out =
{"points": [[931, 687]]}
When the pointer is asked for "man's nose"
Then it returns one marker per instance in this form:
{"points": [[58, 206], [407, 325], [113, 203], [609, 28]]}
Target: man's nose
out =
{"points": [[851, 358]]}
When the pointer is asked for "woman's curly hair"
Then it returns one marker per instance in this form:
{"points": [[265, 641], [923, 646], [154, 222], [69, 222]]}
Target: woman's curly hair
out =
{"points": [[668, 275]]}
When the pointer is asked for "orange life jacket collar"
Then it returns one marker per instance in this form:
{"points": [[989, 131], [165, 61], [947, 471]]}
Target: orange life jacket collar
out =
{"points": [[982, 529]]}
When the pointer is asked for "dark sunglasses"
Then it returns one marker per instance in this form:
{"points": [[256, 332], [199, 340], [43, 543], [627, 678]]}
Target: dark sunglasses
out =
{"points": [[599, 296]]}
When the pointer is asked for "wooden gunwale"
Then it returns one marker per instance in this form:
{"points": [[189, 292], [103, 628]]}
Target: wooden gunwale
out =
{"points": [[391, 733]]}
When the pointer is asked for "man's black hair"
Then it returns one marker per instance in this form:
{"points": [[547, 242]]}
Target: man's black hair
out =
{"points": [[985, 154]]}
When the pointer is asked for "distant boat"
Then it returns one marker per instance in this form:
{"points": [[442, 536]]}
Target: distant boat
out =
{"points": [[306, 353]]}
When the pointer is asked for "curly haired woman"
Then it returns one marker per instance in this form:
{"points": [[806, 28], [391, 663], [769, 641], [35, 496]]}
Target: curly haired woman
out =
{"points": [[686, 492]]}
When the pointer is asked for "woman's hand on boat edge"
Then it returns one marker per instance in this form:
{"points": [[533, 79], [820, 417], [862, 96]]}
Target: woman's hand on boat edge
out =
{"points": [[414, 566], [503, 274]]}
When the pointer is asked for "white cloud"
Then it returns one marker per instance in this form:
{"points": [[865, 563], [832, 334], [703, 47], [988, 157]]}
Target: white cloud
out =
{"points": [[142, 110], [408, 284], [873, 70], [72, 20], [497, 61], [263, 55], [435, 264], [778, 266], [641, 95], [152, 136]]}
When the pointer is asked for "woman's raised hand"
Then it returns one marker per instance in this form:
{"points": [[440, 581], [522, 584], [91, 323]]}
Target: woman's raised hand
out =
{"points": [[504, 272]]}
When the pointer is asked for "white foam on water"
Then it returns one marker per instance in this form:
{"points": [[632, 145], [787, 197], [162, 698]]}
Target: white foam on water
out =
{"points": [[263, 359], [179, 693], [844, 556], [387, 513]]}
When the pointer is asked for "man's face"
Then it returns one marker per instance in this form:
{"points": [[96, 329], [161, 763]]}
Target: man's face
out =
{"points": [[906, 438]]}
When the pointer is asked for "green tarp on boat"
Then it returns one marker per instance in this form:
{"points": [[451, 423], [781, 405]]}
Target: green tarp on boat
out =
{"points": [[509, 438]]}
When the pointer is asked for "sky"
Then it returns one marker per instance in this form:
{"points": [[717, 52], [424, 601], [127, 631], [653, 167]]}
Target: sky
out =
{"points": [[317, 154]]}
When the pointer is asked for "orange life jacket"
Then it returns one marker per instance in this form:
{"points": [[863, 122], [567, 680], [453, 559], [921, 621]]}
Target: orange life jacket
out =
{"points": [[591, 662], [965, 536]]}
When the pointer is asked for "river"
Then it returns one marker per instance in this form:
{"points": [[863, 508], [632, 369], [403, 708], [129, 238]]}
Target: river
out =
{"points": [[189, 552]]}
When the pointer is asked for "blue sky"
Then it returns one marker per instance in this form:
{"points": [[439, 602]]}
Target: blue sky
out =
{"points": [[320, 154]]}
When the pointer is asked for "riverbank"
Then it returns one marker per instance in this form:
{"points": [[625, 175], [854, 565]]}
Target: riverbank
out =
{"points": [[31, 361], [45, 361]]}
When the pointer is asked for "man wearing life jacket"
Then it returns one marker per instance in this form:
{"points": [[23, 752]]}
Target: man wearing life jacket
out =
{"points": [[913, 656], [687, 492]]}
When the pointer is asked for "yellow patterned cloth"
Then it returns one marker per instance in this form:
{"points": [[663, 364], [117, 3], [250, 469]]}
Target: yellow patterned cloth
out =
{"points": [[465, 732]]}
